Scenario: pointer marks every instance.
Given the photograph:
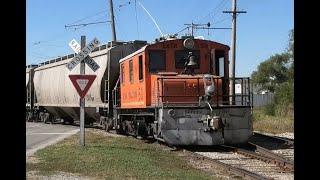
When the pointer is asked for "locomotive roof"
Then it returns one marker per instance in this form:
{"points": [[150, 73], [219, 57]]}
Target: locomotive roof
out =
{"points": [[133, 54], [144, 47]]}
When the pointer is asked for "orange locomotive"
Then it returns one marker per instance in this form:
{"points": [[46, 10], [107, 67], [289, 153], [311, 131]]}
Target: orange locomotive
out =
{"points": [[178, 90]]}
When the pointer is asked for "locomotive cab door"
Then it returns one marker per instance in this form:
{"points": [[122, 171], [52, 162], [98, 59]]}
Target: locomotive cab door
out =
{"points": [[218, 67]]}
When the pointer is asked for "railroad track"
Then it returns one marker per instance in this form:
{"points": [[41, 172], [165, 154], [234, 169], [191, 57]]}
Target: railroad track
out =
{"points": [[252, 162], [277, 139], [263, 154], [253, 155], [278, 145], [228, 167]]}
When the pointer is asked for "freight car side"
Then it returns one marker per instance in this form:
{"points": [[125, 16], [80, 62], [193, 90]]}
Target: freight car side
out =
{"points": [[56, 94]]}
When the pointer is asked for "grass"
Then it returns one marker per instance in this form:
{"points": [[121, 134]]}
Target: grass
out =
{"points": [[113, 158], [271, 124]]}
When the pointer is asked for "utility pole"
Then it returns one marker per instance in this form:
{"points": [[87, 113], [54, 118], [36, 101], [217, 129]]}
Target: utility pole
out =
{"points": [[234, 13], [114, 38], [82, 100]]}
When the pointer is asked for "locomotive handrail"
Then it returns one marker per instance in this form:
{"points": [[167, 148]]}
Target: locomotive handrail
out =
{"points": [[244, 98]]}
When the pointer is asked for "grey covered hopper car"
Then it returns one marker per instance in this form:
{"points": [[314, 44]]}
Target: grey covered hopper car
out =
{"points": [[55, 96]]}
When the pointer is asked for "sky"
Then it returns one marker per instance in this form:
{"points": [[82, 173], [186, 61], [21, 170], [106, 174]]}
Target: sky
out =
{"points": [[261, 32]]}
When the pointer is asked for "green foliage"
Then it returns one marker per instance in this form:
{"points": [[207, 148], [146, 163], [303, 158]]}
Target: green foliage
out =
{"points": [[271, 124], [284, 99], [278, 69], [276, 75], [269, 109], [272, 72]]}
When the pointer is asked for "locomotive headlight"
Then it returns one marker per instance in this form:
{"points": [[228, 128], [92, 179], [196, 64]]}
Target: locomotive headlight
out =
{"points": [[188, 43]]}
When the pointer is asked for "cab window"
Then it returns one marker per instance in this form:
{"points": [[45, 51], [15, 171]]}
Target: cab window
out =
{"points": [[157, 60], [131, 71], [219, 64], [140, 68], [122, 74]]}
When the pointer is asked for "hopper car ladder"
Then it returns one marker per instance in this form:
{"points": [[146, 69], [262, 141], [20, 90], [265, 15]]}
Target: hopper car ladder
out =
{"points": [[106, 91]]}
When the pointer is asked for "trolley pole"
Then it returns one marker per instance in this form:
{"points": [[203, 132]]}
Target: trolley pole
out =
{"points": [[82, 100], [234, 13]]}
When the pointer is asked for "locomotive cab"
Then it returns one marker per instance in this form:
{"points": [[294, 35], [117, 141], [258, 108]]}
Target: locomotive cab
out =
{"points": [[179, 90]]}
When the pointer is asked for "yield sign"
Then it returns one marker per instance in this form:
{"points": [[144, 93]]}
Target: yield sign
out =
{"points": [[82, 83]]}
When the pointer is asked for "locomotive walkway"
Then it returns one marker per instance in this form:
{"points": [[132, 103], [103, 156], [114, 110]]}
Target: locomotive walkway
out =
{"points": [[40, 135]]}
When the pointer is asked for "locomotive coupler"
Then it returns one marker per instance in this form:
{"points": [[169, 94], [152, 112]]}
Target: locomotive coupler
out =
{"points": [[214, 123]]}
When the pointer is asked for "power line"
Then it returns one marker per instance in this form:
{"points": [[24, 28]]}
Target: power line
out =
{"points": [[85, 24], [214, 10], [50, 40], [218, 17], [87, 17]]}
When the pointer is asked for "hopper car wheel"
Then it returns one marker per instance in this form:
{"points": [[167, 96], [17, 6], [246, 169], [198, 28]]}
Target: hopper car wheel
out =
{"points": [[108, 124], [28, 117], [103, 122], [41, 116], [46, 117]]}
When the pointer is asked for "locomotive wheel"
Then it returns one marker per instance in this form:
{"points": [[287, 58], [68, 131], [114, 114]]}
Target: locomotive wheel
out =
{"points": [[103, 122], [109, 124], [106, 126], [28, 117]]}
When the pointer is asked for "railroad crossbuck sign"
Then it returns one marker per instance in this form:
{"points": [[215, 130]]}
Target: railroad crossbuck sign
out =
{"points": [[83, 54], [82, 83], [75, 46]]}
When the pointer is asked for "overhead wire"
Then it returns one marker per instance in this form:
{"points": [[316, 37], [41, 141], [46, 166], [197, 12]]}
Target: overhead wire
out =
{"points": [[41, 44], [220, 5], [213, 11], [218, 18], [87, 17]]}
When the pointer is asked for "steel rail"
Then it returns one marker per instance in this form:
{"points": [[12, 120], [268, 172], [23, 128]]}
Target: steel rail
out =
{"points": [[263, 155], [287, 141], [275, 158], [234, 170]]}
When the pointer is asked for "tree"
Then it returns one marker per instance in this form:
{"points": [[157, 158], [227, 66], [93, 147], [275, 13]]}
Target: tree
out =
{"points": [[276, 74], [276, 70], [272, 72]]}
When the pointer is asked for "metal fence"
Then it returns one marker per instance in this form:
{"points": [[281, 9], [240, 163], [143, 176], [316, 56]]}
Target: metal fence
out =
{"points": [[262, 99]]}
